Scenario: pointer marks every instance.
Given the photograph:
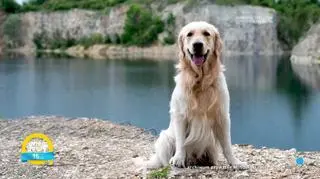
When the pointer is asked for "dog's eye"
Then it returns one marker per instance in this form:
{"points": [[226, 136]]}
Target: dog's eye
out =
{"points": [[189, 34], [205, 33]]}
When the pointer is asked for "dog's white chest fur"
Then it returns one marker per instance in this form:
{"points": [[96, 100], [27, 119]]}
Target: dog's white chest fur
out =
{"points": [[198, 128]]}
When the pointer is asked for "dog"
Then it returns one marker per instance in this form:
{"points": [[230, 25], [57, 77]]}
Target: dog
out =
{"points": [[199, 105]]}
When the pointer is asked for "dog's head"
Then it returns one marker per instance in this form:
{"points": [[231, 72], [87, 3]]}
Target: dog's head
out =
{"points": [[198, 42]]}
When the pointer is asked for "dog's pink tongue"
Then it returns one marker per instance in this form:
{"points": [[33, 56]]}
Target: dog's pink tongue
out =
{"points": [[198, 60]]}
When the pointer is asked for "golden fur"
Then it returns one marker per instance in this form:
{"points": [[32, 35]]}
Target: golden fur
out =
{"points": [[200, 83], [199, 105]]}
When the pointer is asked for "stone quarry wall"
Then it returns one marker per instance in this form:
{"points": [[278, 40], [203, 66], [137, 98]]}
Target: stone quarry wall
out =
{"points": [[244, 29], [74, 23], [307, 51]]}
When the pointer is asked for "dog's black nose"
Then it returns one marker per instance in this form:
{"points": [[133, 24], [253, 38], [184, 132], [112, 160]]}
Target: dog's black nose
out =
{"points": [[197, 46]]}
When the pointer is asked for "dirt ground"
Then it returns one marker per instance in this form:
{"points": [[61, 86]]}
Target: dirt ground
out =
{"points": [[93, 148]]}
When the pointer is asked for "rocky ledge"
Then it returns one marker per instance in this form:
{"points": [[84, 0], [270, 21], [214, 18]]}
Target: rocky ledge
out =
{"points": [[307, 51], [168, 52], [93, 148]]}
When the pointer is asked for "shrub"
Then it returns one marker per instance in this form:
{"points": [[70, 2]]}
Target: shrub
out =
{"points": [[170, 28], [141, 27], [9, 6], [95, 38], [29, 7], [12, 31], [169, 40], [69, 4], [116, 40], [295, 19], [107, 39], [36, 2], [38, 40], [57, 41]]}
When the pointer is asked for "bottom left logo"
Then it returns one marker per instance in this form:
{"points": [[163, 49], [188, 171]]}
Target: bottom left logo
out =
{"points": [[37, 149]]}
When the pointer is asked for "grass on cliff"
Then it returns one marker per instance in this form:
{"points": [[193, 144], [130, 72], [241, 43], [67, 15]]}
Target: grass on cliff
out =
{"points": [[53, 5], [141, 28], [59, 41], [12, 31]]}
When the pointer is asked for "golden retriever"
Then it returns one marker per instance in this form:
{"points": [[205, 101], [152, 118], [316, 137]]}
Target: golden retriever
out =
{"points": [[199, 106]]}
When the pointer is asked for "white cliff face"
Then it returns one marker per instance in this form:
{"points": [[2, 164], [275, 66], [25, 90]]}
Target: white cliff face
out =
{"points": [[73, 23], [305, 58], [307, 51], [244, 29]]}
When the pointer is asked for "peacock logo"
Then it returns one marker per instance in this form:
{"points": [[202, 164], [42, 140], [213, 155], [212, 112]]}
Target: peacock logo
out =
{"points": [[37, 149]]}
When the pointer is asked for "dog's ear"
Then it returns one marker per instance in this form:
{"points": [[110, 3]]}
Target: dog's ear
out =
{"points": [[217, 46], [181, 47]]}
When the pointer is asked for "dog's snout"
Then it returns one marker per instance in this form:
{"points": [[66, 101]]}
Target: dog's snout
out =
{"points": [[197, 46]]}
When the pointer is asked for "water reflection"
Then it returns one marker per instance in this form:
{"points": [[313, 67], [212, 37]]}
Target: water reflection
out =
{"points": [[290, 85], [271, 104], [251, 72], [308, 74]]}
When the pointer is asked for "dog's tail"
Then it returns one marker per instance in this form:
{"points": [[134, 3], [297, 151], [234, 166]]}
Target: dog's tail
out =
{"points": [[153, 163], [164, 151]]}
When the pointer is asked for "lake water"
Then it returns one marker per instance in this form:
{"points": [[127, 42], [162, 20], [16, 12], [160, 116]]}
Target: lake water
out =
{"points": [[270, 103]]}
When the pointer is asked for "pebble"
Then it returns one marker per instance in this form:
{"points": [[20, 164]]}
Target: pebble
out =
{"points": [[109, 159]]}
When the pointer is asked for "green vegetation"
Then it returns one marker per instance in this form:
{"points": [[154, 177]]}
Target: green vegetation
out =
{"points": [[161, 173], [53, 5], [9, 6], [12, 31], [141, 26], [170, 28], [58, 41], [296, 16]]}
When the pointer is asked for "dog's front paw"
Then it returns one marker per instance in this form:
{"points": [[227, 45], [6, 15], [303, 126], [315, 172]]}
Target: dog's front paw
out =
{"points": [[240, 165], [178, 160]]}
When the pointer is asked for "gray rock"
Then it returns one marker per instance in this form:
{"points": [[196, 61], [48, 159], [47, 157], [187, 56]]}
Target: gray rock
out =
{"points": [[307, 51], [244, 29], [74, 23]]}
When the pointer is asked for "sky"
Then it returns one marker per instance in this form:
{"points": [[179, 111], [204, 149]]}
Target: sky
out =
{"points": [[21, 1]]}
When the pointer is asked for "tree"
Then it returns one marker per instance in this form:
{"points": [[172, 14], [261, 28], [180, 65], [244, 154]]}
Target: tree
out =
{"points": [[9, 6]]}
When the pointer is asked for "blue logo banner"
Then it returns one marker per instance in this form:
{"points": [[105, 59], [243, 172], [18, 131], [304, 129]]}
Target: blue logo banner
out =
{"points": [[36, 156]]}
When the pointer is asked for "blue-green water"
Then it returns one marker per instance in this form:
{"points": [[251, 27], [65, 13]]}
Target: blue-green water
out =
{"points": [[270, 104]]}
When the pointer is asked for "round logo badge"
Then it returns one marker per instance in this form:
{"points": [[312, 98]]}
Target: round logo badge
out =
{"points": [[37, 149]]}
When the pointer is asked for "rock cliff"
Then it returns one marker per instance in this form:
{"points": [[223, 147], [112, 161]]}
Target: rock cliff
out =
{"points": [[2, 19], [74, 23], [244, 29], [308, 49]]}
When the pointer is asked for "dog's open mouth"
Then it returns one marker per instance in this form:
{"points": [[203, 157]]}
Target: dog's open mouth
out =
{"points": [[198, 59]]}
